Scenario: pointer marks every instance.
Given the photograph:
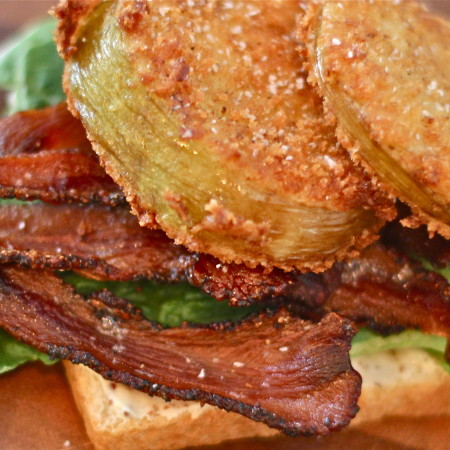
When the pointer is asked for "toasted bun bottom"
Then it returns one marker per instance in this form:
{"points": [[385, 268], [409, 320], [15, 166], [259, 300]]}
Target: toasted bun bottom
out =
{"points": [[407, 383]]}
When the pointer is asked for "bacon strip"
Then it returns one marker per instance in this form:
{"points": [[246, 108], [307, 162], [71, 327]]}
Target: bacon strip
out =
{"points": [[290, 374], [52, 128], [45, 155], [58, 176], [381, 288], [106, 242], [386, 291]]}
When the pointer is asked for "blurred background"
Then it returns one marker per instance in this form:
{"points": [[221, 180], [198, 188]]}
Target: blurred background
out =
{"points": [[14, 13]]}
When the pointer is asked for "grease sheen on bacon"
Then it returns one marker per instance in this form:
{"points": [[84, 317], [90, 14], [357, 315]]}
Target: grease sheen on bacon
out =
{"points": [[107, 242], [45, 155], [382, 287], [299, 380]]}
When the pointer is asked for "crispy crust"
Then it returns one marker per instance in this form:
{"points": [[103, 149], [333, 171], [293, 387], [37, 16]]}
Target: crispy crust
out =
{"points": [[322, 177], [403, 114], [71, 15], [248, 126]]}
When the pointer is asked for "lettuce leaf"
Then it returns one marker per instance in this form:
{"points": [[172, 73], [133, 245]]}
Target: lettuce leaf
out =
{"points": [[14, 353], [167, 304], [31, 69], [367, 342]]}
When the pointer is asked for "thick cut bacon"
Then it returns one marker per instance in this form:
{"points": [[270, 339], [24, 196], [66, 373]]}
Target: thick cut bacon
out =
{"points": [[106, 242], [381, 288], [45, 155], [53, 128], [58, 176], [387, 291], [290, 374]]}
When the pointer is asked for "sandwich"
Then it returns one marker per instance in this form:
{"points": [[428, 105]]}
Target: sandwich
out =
{"points": [[249, 153]]}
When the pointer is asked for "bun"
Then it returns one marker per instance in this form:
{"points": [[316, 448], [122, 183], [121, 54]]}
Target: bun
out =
{"points": [[407, 383]]}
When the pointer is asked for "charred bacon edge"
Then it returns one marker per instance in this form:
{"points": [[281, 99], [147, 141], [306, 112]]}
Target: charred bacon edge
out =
{"points": [[93, 267], [25, 194], [253, 412], [31, 303]]}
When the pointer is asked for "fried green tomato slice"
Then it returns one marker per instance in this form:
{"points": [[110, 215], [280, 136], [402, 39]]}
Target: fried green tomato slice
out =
{"points": [[200, 111], [383, 69]]}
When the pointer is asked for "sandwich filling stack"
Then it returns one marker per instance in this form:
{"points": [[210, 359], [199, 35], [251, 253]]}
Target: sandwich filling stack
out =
{"points": [[231, 192]]}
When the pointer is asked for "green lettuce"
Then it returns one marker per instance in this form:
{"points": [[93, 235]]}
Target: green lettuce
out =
{"points": [[367, 342], [167, 304], [14, 353], [31, 69]]}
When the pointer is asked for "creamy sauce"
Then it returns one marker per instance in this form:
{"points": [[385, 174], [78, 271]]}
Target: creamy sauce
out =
{"points": [[406, 366], [129, 402]]}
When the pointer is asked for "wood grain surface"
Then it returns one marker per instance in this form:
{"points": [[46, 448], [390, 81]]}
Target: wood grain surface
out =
{"points": [[37, 410]]}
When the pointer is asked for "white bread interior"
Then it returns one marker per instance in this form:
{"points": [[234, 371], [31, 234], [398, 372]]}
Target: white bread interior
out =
{"points": [[395, 383], [407, 382]]}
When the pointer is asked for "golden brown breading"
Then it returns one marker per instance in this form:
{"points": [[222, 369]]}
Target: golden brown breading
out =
{"points": [[71, 15], [210, 124], [230, 74], [383, 69]]}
